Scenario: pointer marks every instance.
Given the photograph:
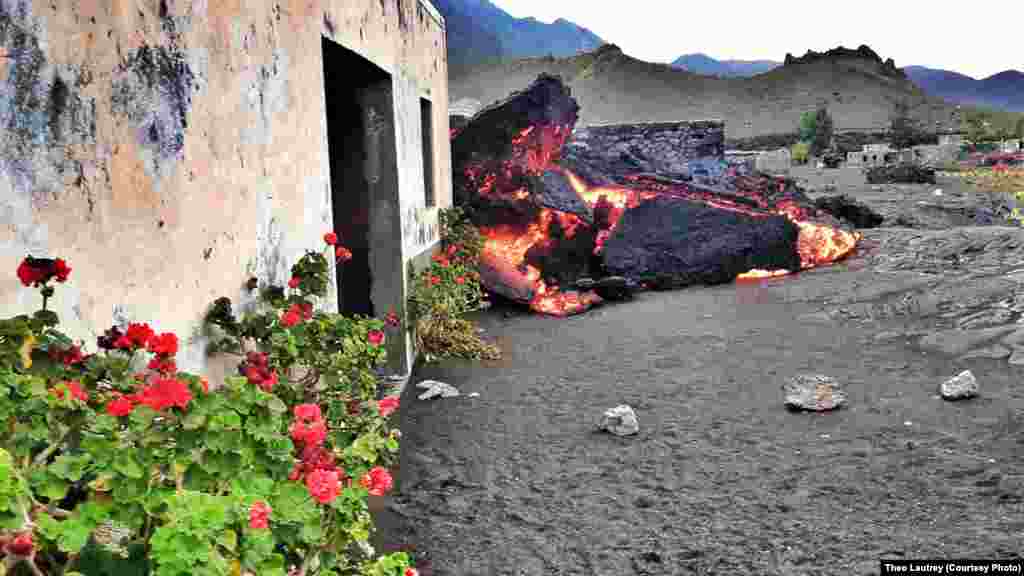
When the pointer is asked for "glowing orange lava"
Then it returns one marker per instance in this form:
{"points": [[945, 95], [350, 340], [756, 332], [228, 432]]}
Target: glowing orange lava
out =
{"points": [[505, 248], [533, 152], [757, 274], [819, 244]]}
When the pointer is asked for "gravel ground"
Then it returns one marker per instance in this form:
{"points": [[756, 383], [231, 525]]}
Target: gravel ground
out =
{"points": [[722, 479]]}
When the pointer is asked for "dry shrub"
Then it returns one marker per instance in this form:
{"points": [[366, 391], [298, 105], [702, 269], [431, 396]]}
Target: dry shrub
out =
{"points": [[452, 337]]}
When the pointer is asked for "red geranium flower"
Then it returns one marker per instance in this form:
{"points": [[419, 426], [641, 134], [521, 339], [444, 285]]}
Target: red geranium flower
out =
{"points": [[138, 336], [375, 337], [29, 274], [77, 392], [309, 433], [61, 270], [409, 571], [106, 342], [257, 358], [307, 412], [163, 365], [294, 282], [331, 238], [70, 356], [323, 485], [452, 250], [39, 271], [291, 318], [307, 311], [73, 387], [343, 254], [460, 280], [387, 405], [120, 406], [259, 515], [378, 481], [435, 280], [21, 545], [165, 393], [268, 383], [392, 319], [165, 344]]}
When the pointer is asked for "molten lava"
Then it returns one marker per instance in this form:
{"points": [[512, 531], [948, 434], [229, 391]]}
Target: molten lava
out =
{"points": [[534, 151], [756, 274]]}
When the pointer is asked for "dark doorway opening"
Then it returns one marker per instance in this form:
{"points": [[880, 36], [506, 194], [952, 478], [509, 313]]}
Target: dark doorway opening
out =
{"points": [[427, 127], [364, 179]]}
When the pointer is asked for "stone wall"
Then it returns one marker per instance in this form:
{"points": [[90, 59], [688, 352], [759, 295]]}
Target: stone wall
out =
{"points": [[667, 148], [171, 150]]}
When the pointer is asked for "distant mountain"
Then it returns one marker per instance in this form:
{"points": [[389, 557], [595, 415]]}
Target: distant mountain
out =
{"points": [[860, 90], [1004, 90], [480, 32], [703, 64]]}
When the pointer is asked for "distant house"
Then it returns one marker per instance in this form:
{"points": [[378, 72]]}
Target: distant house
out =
{"points": [[775, 162], [872, 155], [172, 151]]}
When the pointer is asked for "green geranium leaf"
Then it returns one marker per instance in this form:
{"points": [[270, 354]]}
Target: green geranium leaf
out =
{"points": [[229, 540], [193, 421], [276, 405], [70, 467], [127, 464], [363, 448], [53, 488]]}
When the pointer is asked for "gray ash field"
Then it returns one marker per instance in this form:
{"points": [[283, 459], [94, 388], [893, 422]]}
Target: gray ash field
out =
{"points": [[722, 479]]}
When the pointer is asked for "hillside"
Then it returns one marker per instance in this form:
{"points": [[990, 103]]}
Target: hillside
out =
{"points": [[480, 32], [1004, 90], [708, 66], [859, 89]]}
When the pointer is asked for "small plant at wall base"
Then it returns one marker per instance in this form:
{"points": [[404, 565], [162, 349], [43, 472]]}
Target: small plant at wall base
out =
{"points": [[109, 469], [448, 289]]}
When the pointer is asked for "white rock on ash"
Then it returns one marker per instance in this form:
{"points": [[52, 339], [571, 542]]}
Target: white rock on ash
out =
{"points": [[813, 392], [959, 387], [435, 388], [620, 421]]}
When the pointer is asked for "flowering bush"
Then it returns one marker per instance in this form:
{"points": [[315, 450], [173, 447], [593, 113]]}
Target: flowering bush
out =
{"points": [[442, 293], [999, 179], [116, 462]]}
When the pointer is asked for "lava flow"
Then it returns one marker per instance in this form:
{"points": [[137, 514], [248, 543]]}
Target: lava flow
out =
{"points": [[534, 151], [505, 250]]}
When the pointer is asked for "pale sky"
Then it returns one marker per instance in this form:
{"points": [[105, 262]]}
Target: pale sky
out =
{"points": [[977, 38]]}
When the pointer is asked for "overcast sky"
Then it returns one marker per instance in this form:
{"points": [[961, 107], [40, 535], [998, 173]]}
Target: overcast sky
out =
{"points": [[977, 38]]}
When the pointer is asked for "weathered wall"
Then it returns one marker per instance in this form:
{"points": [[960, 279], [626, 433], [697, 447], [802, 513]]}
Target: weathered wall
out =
{"points": [[171, 149]]}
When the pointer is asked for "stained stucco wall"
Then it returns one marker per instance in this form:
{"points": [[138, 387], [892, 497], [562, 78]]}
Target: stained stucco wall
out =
{"points": [[172, 149]]}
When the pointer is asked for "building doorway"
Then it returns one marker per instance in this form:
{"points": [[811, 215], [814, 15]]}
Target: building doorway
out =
{"points": [[364, 180]]}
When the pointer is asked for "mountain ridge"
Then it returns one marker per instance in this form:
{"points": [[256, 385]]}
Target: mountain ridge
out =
{"points": [[861, 91], [481, 32]]}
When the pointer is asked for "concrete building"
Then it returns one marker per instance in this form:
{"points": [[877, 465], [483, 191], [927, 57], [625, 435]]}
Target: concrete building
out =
{"points": [[170, 151], [872, 155], [778, 162]]}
